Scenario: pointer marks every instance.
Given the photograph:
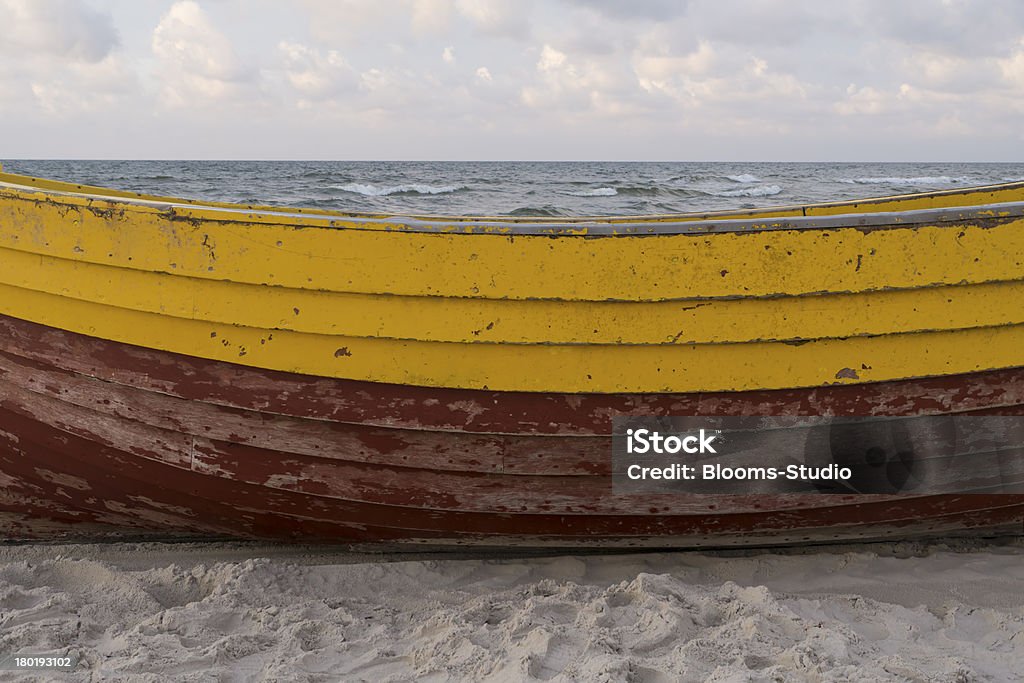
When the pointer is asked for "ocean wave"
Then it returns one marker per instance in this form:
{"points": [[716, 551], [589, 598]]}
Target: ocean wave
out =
{"points": [[744, 178], [1018, 179], [915, 180], [320, 174], [538, 211], [595, 192], [759, 191], [368, 190], [648, 191]]}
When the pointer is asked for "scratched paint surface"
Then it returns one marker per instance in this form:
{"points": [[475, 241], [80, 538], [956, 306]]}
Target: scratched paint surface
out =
{"points": [[102, 438], [251, 248], [182, 371], [468, 320], [659, 313]]}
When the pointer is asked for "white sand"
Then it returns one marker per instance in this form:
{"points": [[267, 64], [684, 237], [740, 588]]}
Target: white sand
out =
{"points": [[145, 612]]}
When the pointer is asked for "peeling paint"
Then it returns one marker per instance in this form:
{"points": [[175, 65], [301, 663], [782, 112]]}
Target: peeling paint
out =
{"points": [[375, 486], [62, 479], [139, 390]]}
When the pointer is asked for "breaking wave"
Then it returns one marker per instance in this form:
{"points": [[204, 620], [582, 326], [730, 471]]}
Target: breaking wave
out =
{"points": [[368, 190], [743, 178], [759, 191], [916, 180], [595, 192]]}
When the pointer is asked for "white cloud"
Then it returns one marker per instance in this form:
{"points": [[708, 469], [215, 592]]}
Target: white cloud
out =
{"points": [[61, 58], [953, 124], [509, 18], [963, 27], [198, 63], [1012, 67], [56, 28], [951, 72], [316, 75], [865, 100], [685, 75], [87, 87], [565, 84], [678, 76], [648, 10], [551, 60], [347, 23], [431, 16], [395, 90]]}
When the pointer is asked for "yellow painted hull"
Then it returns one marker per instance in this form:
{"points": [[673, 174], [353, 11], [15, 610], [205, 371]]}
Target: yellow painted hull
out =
{"points": [[206, 370], [878, 290]]}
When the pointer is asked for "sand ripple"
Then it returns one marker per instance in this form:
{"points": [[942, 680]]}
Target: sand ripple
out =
{"points": [[197, 613]]}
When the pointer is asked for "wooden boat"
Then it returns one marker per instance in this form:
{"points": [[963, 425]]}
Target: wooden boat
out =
{"points": [[179, 368]]}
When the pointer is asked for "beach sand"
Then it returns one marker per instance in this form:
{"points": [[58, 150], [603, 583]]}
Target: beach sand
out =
{"points": [[950, 611]]}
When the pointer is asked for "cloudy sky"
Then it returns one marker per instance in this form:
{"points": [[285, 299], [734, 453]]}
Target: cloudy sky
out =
{"points": [[513, 79]]}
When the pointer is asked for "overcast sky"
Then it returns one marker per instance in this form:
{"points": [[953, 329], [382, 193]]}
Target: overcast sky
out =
{"points": [[513, 79]]}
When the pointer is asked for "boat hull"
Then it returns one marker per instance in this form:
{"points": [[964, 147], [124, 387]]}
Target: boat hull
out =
{"points": [[101, 439], [173, 368]]}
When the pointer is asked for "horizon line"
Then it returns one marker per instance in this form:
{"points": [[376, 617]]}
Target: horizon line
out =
{"points": [[519, 161]]}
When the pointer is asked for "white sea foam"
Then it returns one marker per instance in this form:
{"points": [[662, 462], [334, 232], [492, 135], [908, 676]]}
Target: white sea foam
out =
{"points": [[916, 180], [758, 191], [743, 178], [412, 188], [595, 192]]}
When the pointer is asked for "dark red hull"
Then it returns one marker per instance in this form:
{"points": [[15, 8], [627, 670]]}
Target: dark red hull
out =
{"points": [[100, 438]]}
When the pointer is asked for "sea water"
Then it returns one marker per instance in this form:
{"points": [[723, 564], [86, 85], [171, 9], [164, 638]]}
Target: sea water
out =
{"points": [[519, 188]]}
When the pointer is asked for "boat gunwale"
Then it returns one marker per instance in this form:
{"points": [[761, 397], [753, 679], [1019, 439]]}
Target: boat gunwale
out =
{"points": [[576, 226]]}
